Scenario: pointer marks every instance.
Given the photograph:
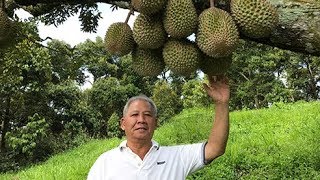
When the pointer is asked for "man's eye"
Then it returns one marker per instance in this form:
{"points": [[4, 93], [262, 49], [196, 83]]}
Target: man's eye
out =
{"points": [[147, 114], [134, 114]]}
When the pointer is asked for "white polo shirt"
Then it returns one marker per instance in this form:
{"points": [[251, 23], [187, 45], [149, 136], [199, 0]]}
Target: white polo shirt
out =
{"points": [[160, 163]]}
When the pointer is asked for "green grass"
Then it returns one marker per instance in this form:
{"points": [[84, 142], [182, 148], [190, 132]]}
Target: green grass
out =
{"points": [[69, 165], [281, 142]]}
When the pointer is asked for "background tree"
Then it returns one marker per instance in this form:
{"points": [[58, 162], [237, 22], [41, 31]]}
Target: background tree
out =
{"points": [[40, 80], [95, 59], [64, 62], [193, 94], [302, 73], [25, 71], [108, 96], [166, 100], [256, 76]]}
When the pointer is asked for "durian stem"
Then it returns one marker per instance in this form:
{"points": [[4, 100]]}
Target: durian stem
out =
{"points": [[129, 14], [211, 3]]}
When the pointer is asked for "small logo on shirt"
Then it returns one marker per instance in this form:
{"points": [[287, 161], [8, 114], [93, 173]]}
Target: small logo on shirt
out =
{"points": [[161, 162]]}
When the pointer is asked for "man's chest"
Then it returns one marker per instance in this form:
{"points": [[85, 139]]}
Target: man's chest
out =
{"points": [[154, 166]]}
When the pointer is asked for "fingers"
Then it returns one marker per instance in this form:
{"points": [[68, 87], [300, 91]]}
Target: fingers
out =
{"points": [[224, 79], [219, 78]]}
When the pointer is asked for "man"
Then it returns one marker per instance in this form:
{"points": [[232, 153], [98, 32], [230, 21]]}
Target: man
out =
{"points": [[141, 158]]}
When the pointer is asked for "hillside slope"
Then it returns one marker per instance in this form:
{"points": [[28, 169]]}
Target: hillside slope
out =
{"points": [[281, 142]]}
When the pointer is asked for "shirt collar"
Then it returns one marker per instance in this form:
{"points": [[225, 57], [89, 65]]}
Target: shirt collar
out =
{"points": [[123, 145]]}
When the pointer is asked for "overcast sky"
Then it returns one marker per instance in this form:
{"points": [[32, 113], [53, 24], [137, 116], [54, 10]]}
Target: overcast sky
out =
{"points": [[70, 31]]}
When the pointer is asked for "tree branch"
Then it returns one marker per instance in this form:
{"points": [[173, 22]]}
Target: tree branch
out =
{"points": [[34, 2], [298, 29]]}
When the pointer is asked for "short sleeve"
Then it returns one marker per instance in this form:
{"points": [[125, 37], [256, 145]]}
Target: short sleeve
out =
{"points": [[97, 169], [192, 156]]}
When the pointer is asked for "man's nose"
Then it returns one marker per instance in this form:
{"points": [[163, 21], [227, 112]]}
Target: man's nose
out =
{"points": [[141, 118]]}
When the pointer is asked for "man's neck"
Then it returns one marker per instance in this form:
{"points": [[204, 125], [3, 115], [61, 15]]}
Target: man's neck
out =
{"points": [[140, 148]]}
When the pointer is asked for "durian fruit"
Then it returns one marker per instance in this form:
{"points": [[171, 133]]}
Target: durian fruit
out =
{"points": [[119, 39], [7, 30], [182, 57], [148, 32], [255, 18], [217, 34], [148, 6], [147, 62], [215, 66], [180, 18]]}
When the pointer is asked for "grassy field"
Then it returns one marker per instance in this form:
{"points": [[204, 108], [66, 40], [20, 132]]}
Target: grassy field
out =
{"points": [[281, 142]]}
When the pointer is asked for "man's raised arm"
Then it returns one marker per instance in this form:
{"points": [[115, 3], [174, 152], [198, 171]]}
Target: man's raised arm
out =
{"points": [[218, 90]]}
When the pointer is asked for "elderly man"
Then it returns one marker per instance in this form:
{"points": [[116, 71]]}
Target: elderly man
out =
{"points": [[141, 158]]}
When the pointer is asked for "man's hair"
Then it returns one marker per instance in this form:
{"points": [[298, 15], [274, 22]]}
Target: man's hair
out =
{"points": [[144, 98]]}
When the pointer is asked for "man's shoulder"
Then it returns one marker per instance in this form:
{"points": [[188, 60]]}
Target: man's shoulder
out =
{"points": [[110, 153], [181, 147]]}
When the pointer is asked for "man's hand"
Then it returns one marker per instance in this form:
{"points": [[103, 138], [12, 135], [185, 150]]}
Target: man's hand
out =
{"points": [[218, 89]]}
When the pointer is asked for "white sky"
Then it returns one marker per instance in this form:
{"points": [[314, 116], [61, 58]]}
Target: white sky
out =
{"points": [[70, 31]]}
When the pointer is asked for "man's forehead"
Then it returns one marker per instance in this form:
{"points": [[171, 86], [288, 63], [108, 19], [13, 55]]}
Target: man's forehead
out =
{"points": [[133, 106], [139, 110]]}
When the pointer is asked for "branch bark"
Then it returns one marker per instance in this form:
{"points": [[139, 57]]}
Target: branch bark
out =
{"points": [[298, 29]]}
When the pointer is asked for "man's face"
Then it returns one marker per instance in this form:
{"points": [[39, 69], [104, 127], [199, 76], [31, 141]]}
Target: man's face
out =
{"points": [[139, 122]]}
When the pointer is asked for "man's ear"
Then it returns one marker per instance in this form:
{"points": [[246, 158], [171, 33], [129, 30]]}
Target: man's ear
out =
{"points": [[122, 123]]}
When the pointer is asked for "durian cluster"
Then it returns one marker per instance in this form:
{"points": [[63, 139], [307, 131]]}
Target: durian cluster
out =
{"points": [[159, 37], [8, 30]]}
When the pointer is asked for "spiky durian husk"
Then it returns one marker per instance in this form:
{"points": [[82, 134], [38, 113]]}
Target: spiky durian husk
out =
{"points": [[119, 39], [215, 66], [217, 34], [147, 62], [180, 18], [148, 32], [255, 18], [149, 6], [182, 57]]}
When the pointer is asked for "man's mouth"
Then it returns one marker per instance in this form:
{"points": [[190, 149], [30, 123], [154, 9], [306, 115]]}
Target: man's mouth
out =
{"points": [[141, 128]]}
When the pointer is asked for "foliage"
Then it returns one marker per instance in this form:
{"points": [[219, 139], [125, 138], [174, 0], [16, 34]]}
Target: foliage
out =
{"points": [[128, 76], [72, 136], [95, 59], [255, 77], [38, 80], [63, 99], [177, 81], [114, 129], [302, 73], [56, 14], [167, 101], [64, 63], [87, 116], [27, 138], [8, 161], [194, 95], [25, 71], [108, 96]]}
